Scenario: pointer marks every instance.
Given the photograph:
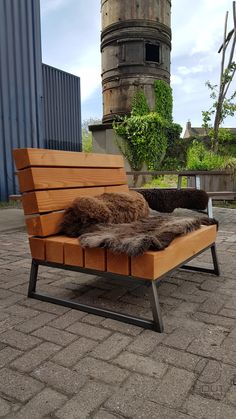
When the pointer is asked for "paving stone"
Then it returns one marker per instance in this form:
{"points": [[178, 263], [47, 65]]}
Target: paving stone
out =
{"points": [[104, 414], [59, 377], [18, 386], [35, 357], [19, 340], [231, 395], [180, 338], [101, 370], [89, 331], [129, 399], [233, 334], [128, 329], [208, 342], [4, 407], [85, 402], [30, 325], [21, 311], [214, 319], [179, 358], [151, 410], [60, 337], [202, 408], [51, 308], [141, 364], [111, 347], [229, 344], [227, 312], [215, 380], [64, 321], [7, 355], [213, 304], [68, 356], [146, 342], [173, 388], [8, 323]]}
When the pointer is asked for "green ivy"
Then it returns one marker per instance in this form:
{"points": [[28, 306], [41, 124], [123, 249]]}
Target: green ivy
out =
{"points": [[139, 104], [163, 99]]}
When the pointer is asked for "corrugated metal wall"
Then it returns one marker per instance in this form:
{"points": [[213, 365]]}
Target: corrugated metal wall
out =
{"points": [[20, 84], [62, 115]]}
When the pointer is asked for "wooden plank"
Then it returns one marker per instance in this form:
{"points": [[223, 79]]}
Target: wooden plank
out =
{"points": [[153, 265], [73, 253], [26, 157], [118, 263], [55, 200], [95, 259], [37, 248], [40, 178], [44, 225], [54, 249]]}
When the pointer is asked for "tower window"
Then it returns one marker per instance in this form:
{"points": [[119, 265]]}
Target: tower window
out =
{"points": [[152, 52]]}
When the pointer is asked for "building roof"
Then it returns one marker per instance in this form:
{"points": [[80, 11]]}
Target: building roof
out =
{"points": [[195, 131]]}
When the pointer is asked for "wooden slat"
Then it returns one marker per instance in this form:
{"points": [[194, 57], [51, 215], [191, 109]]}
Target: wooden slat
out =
{"points": [[55, 200], [152, 265], [95, 259], [54, 249], [37, 248], [26, 157], [118, 263], [40, 178], [73, 253], [44, 225]]}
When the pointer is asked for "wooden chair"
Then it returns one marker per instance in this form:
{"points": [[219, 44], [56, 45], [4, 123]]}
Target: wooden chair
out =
{"points": [[49, 181]]}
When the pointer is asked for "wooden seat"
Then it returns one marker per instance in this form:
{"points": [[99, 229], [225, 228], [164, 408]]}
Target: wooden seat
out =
{"points": [[49, 181]]}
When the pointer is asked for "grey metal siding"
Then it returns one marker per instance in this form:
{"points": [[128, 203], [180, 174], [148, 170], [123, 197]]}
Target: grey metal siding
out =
{"points": [[21, 88], [62, 113]]}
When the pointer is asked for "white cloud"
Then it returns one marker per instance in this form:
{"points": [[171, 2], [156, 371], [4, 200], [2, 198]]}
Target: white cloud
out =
{"points": [[176, 80]]}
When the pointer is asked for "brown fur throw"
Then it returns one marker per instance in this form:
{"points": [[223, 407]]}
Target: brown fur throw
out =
{"points": [[166, 200], [153, 233], [106, 208]]}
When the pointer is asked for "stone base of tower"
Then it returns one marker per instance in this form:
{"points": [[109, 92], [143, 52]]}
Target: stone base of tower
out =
{"points": [[104, 141]]}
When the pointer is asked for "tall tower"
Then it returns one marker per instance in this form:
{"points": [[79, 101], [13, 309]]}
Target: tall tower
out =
{"points": [[135, 47]]}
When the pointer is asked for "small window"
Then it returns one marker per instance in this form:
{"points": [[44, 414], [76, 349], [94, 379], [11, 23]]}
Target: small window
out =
{"points": [[152, 53]]}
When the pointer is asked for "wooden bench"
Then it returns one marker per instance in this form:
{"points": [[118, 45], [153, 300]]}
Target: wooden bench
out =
{"points": [[49, 181]]}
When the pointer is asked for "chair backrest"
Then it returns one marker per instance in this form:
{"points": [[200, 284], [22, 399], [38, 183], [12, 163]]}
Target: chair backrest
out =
{"points": [[50, 180]]}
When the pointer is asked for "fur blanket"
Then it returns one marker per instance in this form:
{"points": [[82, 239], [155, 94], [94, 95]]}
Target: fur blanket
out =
{"points": [[107, 208], [153, 233], [166, 200]]}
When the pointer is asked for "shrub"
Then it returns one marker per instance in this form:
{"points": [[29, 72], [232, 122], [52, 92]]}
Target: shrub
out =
{"points": [[199, 158]]}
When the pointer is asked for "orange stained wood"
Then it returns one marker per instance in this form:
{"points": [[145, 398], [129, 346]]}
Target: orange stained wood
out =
{"points": [[95, 259], [44, 225], [54, 249], [153, 265], [37, 248], [73, 253], [39, 178], [54, 200], [118, 263], [26, 157]]}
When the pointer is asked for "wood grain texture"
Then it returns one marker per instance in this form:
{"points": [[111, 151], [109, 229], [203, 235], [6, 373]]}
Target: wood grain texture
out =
{"points": [[95, 259], [37, 248], [44, 225], [73, 253], [118, 263], [41, 178], [26, 157], [55, 200], [153, 265]]}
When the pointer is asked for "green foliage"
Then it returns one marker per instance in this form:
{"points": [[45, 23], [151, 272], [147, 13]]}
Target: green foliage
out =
{"points": [[87, 135], [139, 104], [144, 139], [163, 99], [199, 158]]}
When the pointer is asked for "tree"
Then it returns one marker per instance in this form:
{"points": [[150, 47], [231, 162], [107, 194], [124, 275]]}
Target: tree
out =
{"points": [[87, 135], [223, 106]]}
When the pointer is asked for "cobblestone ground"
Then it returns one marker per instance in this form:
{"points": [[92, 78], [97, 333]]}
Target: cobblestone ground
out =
{"points": [[65, 364]]}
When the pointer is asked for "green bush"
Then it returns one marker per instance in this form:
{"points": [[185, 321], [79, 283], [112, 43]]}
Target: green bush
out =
{"points": [[199, 158], [163, 99]]}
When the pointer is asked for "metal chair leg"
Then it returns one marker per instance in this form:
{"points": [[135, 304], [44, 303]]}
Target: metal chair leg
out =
{"points": [[156, 310], [33, 278], [210, 208], [215, 260]]}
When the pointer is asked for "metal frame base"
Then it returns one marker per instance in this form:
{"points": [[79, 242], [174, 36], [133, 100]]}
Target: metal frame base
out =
{"points": [[155, 324]]}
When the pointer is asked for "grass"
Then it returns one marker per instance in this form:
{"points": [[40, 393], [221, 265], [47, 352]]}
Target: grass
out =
{"points": [[10, 204], [165, 181]]}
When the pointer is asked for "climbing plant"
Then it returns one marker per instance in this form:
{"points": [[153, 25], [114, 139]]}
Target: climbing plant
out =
{"points": [[163, 99]]}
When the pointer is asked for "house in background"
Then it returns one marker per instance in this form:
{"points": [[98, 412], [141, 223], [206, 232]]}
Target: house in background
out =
{"points": [[200, 131]]}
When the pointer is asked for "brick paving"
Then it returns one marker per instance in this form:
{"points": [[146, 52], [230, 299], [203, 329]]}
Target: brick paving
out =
{"points": [[64, 364]]}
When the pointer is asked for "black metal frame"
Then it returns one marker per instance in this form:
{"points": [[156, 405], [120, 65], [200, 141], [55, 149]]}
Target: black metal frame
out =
{"points": [[155, 324]]}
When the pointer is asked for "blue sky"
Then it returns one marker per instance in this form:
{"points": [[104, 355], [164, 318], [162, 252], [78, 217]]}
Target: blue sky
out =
{"points": [[71, 42]]}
